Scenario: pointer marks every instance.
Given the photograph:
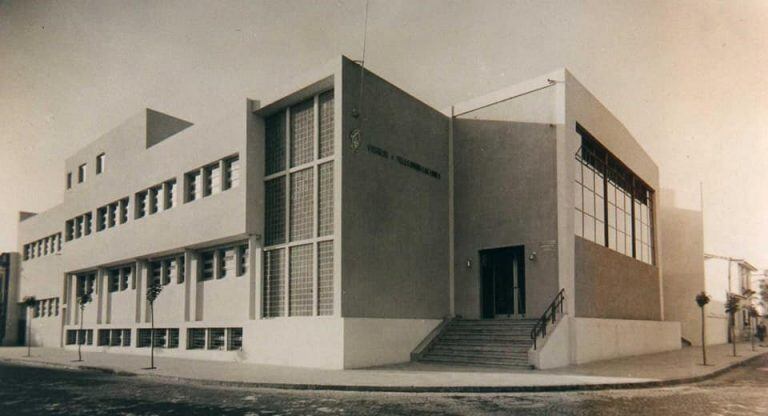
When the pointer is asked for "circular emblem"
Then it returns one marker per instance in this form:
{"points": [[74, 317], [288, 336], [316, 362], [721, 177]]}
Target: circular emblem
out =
{"points": [[355, 139]]}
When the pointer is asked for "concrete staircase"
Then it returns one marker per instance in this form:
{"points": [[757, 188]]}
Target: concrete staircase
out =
{"points": [[489, 343]]}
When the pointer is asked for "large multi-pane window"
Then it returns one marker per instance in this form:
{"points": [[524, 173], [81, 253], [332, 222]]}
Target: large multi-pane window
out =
{"points": [[613, 206], [299, 209]]}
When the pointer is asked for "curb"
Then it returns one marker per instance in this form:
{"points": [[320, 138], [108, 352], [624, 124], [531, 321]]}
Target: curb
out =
{"points": [[409, 389]]}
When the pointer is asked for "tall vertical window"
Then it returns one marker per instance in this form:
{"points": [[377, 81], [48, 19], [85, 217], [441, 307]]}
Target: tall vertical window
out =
{"points": [[69, 180], [613, 206], [192, 180], [299, 209], [231, 172], [100, 159], [141, 204], [207, 259], [211, 179], [170, 194], [82, 171]]}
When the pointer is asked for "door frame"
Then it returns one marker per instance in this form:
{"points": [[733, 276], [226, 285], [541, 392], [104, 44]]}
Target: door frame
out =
{"points": [[488, 298]]}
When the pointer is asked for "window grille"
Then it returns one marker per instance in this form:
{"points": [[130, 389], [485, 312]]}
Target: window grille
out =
{"points": [[242, 260], [326, 124], [227, 262], [193, 187], [216, 340], [206, 265], [144, 338], [170, 194], [173, 338], [301, 282], [116, 338], [160, 337], [235, 339], [126, 337], [274, 284], [325, 277], [325, 199], [103, 337], [71, 337], [231, 172], [196, 338], [141, 204], [302, 205], [302, 133], [274, 227], [274, 128], [182, 269], [212, 179], [113, 280]]}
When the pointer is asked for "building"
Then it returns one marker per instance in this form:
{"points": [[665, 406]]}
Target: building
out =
{"points": [[342, 223], [10, 323], [688, 271]]}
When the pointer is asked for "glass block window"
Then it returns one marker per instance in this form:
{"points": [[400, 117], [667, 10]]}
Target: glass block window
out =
{"points": [[274, 229], [234, 339], [326, 124], [126, 337], [231, 172], [325, 277], [173, 338], [274, 283], [274, 131], [613, 206], [302, 205], [325, 199], [207, 265], [302, 133], [216, 340], [195, 338], [301, 281], [144, 338]]}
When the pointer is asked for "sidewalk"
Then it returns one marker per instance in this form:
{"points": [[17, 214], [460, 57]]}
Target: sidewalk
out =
{"points": [[653, 370]]}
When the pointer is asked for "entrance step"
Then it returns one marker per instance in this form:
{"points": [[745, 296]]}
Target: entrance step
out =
{"points": [[487, 343]]}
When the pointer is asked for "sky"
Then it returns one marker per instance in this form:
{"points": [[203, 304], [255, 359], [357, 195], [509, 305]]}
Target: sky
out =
{"points": [[687, 78]]}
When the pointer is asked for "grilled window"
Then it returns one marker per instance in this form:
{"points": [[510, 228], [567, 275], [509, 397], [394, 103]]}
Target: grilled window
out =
{"points": [[212, 179], [234, 339], [141, 204], [242, 259], [216, 340], [193, 186], [274, 284], [182, 270], [300, 273], [302, 133], [196, 338], [231, 172], [103, 338], [207, 265], [325, 277], [116, 337], [326, 124], [144, 338], [71, 337], [113, 280], [173, 338], [126, 337]]}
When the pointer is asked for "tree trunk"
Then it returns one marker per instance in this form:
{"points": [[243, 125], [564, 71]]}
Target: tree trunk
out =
{"points": [[152, 336], [703, 336], [80, 333], [29, 334]]}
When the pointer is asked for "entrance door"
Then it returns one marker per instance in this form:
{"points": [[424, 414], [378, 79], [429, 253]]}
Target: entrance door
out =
{"points": [[503, 283]]}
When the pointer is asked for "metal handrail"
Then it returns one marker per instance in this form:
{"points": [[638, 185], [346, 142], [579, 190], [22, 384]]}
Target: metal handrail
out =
{"points": [[549, 315]]}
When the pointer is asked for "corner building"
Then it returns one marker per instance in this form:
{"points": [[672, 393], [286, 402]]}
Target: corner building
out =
{"points": [[337, 228]]}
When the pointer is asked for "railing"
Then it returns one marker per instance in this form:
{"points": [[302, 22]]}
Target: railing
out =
{"points": [[549, 316]]}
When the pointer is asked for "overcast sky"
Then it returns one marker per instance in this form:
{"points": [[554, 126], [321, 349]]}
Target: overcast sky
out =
{"points": [[688, 79]]}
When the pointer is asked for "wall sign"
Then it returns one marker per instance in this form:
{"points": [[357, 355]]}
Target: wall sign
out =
{"points": [[402, 161]]}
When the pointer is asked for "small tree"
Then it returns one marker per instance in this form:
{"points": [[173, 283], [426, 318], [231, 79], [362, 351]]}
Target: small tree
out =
{"points": [[83, 300], [153, 290], [702, 299], [731, 308], [29, 302]]}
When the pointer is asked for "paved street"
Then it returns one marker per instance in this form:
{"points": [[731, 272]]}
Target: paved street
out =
{"points": [[44, 390]]}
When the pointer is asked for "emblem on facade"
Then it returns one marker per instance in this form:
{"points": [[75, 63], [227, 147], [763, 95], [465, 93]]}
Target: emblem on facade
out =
{"points": [[355, 139]]}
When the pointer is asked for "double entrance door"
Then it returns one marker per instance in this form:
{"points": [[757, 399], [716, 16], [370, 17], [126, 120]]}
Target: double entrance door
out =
{"points": [[503, 283]]}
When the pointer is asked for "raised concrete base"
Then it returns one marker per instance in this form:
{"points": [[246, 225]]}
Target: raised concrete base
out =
{"points": [[584, 340]]}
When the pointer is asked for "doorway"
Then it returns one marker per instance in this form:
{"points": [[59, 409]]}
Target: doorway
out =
{"points": [[503, 283]]}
